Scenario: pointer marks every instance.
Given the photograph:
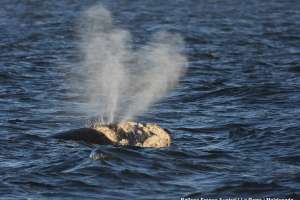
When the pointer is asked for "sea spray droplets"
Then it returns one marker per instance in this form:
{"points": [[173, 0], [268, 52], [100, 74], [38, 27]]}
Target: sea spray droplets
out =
{"points": [[163, 66], [123, 82], [105, 49]]}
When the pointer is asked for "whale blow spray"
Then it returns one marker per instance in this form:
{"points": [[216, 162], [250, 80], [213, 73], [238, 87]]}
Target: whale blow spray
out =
{"points": [[123, 81]]}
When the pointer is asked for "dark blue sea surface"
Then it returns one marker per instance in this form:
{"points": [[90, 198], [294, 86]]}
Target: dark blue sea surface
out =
{"points": [[234, 116]]}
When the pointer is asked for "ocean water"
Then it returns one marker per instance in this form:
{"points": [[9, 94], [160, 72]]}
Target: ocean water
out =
{"points": [[234, 116]]}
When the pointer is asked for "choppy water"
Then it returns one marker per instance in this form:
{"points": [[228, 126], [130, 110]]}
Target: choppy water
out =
{"points": [[234, 116]]}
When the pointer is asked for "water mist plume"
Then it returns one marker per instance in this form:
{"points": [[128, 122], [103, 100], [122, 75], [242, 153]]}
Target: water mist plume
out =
{"points": [[123, 82]]}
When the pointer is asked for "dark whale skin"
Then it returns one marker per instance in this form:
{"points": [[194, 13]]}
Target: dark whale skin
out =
{"points": [[87, 135]]}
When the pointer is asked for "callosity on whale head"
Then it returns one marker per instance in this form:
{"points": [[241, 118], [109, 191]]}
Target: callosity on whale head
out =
{"points": [[135, 134]]}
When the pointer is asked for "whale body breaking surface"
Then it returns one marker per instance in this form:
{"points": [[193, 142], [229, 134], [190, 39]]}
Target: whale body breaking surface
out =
{"points": [[123, 133]]}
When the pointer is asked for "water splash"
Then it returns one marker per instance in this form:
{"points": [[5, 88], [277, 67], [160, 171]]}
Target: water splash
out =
{"points": [[123, 82]]}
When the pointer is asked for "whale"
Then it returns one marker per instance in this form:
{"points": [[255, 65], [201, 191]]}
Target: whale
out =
{"points": [[124, 133], [88, 135]]}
